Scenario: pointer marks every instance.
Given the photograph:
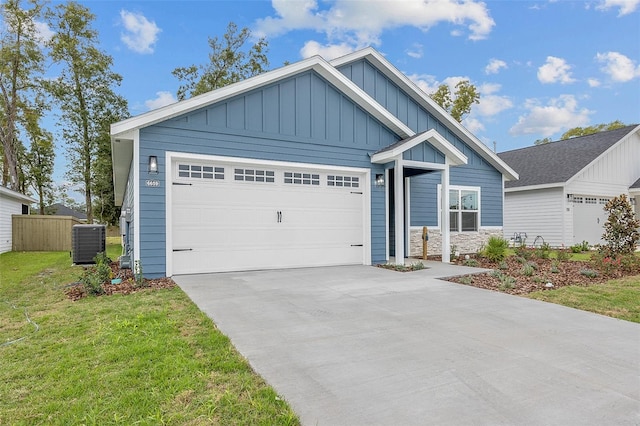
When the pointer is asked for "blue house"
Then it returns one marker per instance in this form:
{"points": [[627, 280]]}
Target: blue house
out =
{"points": [[315, 163]]}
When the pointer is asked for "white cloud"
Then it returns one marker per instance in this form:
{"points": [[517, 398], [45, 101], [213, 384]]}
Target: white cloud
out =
{"points": [[44, 33], [425, 82], [593, 82], [360, 23], [490, 103], [626, 6], [473, 124], [494, 66], [162, 98], [141, 34], [561, 113], [327, 51], [555, 70], [619, 67], [416, 51]]}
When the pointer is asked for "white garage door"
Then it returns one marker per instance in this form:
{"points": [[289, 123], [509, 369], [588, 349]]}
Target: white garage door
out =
{"points": [[235, 217], [589, 218]]}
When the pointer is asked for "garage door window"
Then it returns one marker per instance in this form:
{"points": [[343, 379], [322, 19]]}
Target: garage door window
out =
{"points": [[252, 175], [197, 171], [344, 181], [296, 178]]}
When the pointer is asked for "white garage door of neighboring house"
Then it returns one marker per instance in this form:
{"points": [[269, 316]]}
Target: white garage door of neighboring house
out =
{"points": [[235, 217], [589, 218]]}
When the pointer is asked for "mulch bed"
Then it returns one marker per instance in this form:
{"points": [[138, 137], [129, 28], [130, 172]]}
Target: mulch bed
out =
{"points": [[127, 286], [568, 273]]}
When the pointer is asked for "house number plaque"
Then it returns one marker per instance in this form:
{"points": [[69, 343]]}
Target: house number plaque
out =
{"points": [[152, 182]]}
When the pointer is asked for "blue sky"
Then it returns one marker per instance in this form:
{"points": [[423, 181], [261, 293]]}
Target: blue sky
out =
{"points": [[542, 67]]}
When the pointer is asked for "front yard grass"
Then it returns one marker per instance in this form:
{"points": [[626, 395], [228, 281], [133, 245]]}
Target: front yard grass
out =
{"points": [[150, 357], [616, 298]]}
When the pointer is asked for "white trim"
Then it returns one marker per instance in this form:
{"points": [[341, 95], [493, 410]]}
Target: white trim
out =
{"points": [[535, 187], [424, 165], [407, 214], [429, 104], [173, 156], [398, 205], [444, 214], [137, 185], [9, 193], [434, 138], [386, 215]]}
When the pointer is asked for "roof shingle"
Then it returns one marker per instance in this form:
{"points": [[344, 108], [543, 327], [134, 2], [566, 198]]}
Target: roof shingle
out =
{"points": [[557, 162]]}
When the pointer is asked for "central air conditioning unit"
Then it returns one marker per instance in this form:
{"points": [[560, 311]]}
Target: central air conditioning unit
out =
{"points": [[87, 241]]}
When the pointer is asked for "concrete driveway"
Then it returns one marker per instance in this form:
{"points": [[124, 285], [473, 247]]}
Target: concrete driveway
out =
{"points": [[360, 345]]}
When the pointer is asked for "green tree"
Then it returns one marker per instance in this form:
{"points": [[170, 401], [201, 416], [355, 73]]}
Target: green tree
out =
{"points": [[83, 91], [230, 61], [542, 141], [21, 63], [463, 99], [621, 228], [38, 167], [589, 130]]}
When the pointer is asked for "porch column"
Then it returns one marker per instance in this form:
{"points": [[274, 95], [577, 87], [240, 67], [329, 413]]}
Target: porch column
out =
{"points": [[444, 220], [398, 200]]}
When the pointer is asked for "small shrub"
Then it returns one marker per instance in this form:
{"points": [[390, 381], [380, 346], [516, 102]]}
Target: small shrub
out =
{"points": [[544, 251], [470, 262], [576, 248], [507, 282], [630, 263], [527, 269], [94, 277], [496, 248], [554, 267], [497, 273], [621, 228], [589, 273], [503, 265], [452, 254], [416, 266], [137, 274], [466, 280], [522, 251], [563, 255]]}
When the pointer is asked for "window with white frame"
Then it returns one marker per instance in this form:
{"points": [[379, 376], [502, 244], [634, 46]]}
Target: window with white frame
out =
{"points": [[464, 209]]}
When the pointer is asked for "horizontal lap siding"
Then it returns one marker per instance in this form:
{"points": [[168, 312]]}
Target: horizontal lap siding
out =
{"points": [[538, 212], [476, 173], [302, 119]]}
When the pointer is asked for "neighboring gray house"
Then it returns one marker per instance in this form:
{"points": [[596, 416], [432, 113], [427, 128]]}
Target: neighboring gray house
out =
{"points": [[11, 202], [315, 163], [59, 209], [564, 185]]}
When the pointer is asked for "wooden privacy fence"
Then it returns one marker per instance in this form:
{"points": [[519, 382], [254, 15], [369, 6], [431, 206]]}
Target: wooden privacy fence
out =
{"points": [[42, 233]]}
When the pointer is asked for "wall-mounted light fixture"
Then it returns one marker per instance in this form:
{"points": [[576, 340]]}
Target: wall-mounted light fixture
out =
{"points": [[153, 164], [570, 197], [379, 179]]}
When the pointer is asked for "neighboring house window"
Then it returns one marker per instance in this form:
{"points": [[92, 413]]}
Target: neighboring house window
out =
{"points": [[464, 209]]}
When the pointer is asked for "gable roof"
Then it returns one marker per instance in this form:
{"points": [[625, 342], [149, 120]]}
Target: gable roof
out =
{"points": [[440, 143], [62, 210], [391, 72], [636, 185], [555, 163], [124, 132]]}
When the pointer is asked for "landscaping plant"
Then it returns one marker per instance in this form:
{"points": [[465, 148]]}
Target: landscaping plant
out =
{"points": [[496, 248], [621, 228], [94, 277]]}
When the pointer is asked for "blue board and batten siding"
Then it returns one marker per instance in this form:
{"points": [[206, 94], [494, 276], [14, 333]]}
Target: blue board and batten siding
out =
{"points": [[300, 119], [423, 187]]}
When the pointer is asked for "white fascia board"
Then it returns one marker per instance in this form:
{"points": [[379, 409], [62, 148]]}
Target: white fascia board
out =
{"points": [[8, 193], [316, 63], [425, 100], [601, 156], [535, 187], [434, 138]]}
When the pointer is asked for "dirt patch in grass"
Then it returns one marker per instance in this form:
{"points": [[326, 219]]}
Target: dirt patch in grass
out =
{"points": [[127, 285], [511, 276]]}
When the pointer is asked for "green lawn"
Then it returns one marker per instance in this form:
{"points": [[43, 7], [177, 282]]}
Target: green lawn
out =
{"points": [[147, 358], [617, 298]]}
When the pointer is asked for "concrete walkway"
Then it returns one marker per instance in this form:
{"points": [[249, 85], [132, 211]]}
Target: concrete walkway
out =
{"points": [[361, 345]]}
